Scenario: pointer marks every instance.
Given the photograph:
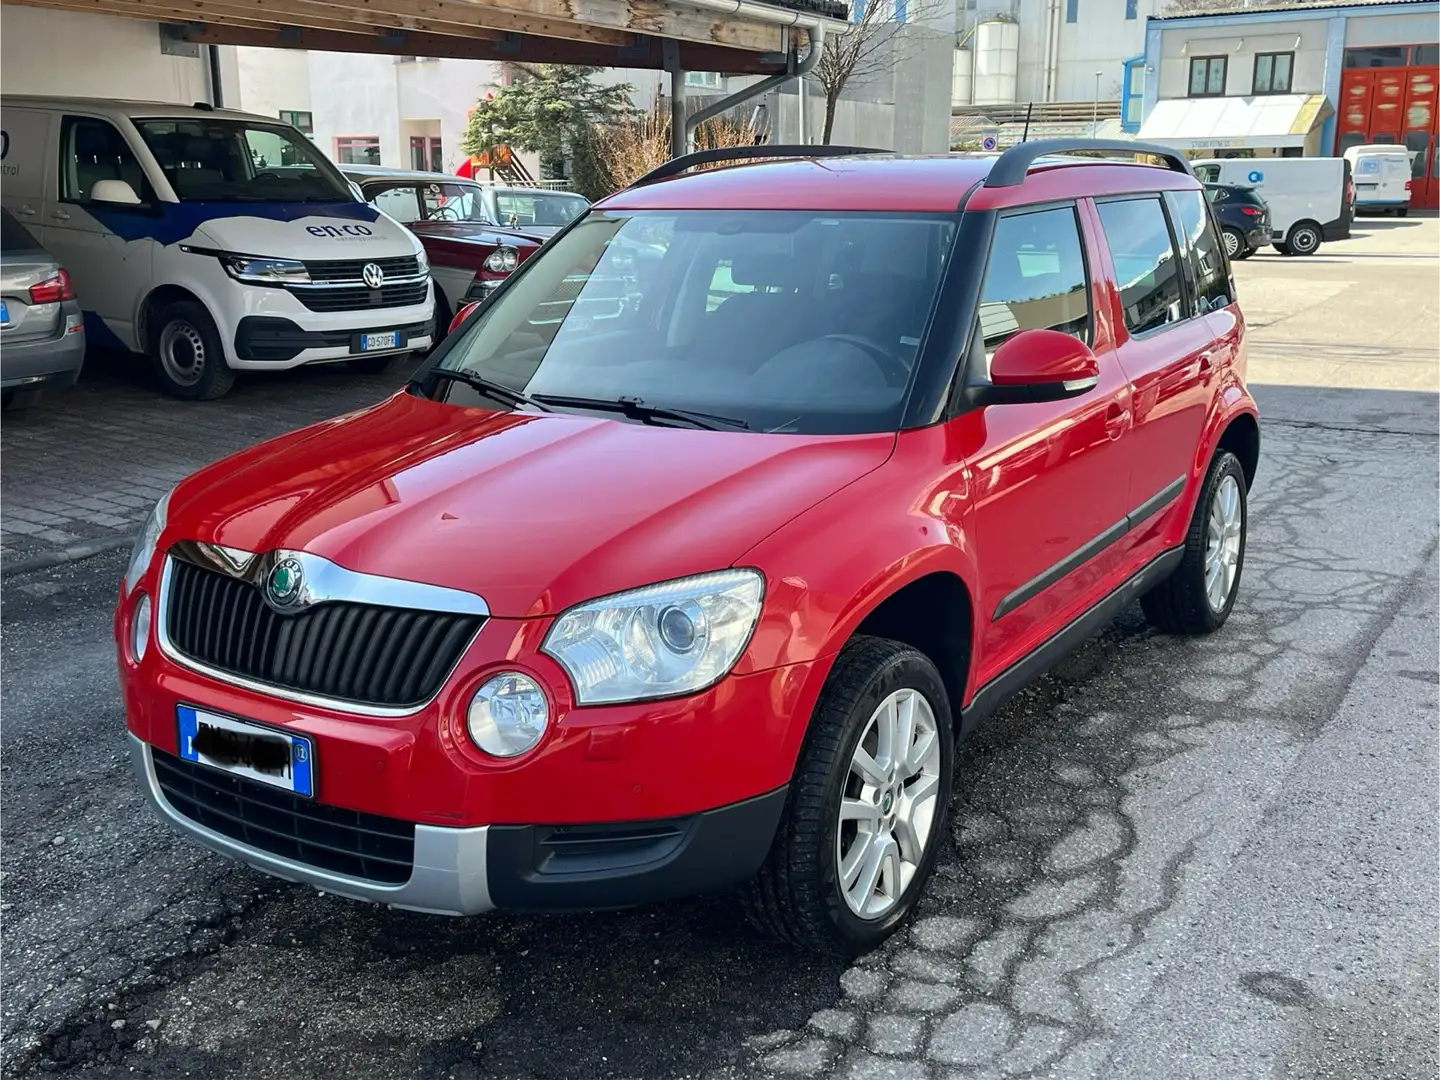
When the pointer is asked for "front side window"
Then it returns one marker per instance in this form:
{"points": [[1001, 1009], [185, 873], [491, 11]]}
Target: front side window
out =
{"points": [[1207, 76], [92, 150], [1147, 266], [1203, 249], [400, 201], [215, 160], [1272, 73], [358, 150], [791, 321], [452, 202], [1035, 278]]}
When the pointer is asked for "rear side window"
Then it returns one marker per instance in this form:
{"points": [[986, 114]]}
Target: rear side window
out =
{"points": [[93, 150], [1202, 249], [1035, 279], [1147, 266]]}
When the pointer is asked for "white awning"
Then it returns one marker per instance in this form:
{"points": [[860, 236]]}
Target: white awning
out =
{"points": [[1235, 123]]}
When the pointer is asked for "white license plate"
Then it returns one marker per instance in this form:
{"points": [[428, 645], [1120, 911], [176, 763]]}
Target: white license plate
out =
{"points": [[380, 342], [272, 757]]}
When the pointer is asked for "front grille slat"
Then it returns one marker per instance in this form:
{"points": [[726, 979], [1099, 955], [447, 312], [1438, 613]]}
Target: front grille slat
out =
{"points": [[361, 297], [364, 654], [348, 842], [353, 269]]}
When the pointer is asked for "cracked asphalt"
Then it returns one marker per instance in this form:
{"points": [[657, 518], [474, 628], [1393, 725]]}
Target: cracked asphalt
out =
{"points": [[1205, 859]]}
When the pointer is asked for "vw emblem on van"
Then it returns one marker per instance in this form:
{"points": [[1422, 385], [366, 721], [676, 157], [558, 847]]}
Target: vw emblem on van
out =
{"points": [[286, 579], [372, 275]]}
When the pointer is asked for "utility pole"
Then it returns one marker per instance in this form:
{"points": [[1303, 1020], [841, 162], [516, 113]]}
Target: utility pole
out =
{"points": [[1095, 109]]}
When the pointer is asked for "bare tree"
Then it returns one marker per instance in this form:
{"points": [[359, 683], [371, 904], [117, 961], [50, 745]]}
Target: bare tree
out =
{"points": [[870, 45]]}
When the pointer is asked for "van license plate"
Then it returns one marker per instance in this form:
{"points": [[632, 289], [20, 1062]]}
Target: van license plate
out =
{"points": [[380, 342], [243, 749]]}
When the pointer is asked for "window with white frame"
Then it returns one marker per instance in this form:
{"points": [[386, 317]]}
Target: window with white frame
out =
{"points": [[704, 80]]}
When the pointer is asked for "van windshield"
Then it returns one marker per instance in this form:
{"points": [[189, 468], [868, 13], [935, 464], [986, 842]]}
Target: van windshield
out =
{"points": [[795, 321], [217, 160]]}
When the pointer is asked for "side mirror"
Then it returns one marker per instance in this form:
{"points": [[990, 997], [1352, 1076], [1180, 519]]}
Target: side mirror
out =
{"points": [[355, 192], [114, 193], [1039, 365], [461, 315]]}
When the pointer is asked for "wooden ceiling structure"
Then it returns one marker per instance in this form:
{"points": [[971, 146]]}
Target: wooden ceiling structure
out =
{"points": [[731, 36]]}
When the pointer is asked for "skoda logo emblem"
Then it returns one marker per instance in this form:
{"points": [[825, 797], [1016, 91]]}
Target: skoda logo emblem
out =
{"points": [[285, 582], [372, 275]]}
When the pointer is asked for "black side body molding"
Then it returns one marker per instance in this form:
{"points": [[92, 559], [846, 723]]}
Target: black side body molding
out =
{"points": [[1088, 550], [994, 693]]}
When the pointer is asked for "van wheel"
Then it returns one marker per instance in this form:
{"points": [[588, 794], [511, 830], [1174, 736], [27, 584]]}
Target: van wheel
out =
{"points": [[443, 315], [1303, 239], [865, 814], [371, 365], [1198, 596], [1402, 213], [187, 353]]}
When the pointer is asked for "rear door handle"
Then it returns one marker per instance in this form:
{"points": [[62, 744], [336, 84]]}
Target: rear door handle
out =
{"points": [[25, 211], [1207, 362], [60, 215]]}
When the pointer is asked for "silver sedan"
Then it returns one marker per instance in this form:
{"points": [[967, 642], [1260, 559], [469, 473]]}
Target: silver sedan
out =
{"points": [[42, 332]]}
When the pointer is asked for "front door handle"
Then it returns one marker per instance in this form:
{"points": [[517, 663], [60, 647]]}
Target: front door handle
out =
{"points": [[1116, 421], [60, 215], [25, 211]]}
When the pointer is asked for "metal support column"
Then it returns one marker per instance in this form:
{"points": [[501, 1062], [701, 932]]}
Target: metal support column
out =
{"points": [[679, 133]]}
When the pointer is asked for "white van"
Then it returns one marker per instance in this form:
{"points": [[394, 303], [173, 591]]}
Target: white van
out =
{"points": [[1311, 199], [1382, 177], [213, 241]]}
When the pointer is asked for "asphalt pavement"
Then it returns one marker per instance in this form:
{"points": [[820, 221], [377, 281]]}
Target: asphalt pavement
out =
{"points": [[1205, 859]]}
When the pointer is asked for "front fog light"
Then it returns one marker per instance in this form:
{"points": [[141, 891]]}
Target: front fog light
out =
{"points": [[140, 628], [508, 715]]}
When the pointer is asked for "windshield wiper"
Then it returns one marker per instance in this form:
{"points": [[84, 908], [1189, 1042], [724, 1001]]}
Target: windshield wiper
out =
{"points": [[497, 390], [636, 409]]}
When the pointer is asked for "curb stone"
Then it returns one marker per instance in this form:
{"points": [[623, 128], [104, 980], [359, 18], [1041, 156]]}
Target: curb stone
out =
{"points": [[74, 553]]}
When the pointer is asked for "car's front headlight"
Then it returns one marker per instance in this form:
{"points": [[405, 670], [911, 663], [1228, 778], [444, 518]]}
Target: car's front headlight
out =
{"points": [[502, 260], [144, 549], [422, 261], [265, 271], [664, 640]]}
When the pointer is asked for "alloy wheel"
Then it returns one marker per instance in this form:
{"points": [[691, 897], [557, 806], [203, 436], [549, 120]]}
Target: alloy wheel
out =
{"points": [[1222, 543], [889, 805]]}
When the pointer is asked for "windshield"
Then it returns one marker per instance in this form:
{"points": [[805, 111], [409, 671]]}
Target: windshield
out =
{"points": [[543, 208], [792, 321], [223, 160]]}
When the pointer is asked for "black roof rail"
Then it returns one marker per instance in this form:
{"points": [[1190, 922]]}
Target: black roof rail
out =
{"points": [[675, 166], [1014, 164]]}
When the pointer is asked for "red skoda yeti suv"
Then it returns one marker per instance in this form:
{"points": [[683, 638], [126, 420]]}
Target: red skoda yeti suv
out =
{"points": [[685, 562]]}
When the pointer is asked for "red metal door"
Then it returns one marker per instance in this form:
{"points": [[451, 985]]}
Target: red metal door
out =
{"points": [[1419, 136]]}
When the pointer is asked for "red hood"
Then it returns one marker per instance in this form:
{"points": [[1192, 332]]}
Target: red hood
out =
{"points": [[533, 512]]}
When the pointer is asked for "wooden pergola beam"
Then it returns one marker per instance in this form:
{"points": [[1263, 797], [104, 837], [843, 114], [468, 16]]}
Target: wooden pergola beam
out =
{"points": [[604, 22], [641, 51]]}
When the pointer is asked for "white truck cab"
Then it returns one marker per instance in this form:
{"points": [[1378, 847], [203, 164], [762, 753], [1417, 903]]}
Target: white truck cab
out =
{"points": [[213, 241]]}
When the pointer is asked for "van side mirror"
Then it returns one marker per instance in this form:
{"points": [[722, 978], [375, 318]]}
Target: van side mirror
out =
{"points": [[114, 193], [355, 191], [1039, 365]]}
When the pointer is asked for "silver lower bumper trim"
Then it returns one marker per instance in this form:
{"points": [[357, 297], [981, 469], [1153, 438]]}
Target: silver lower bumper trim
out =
{"points": [[449, 876]]}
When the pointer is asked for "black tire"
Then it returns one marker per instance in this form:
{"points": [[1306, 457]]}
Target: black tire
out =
{"points": [[18, 400], [1304, 238], [1179, 604], [1245, 253], [187, 353], [371, 365], [1234, 241], [443, 315], [1403, 212], [796, 896]]}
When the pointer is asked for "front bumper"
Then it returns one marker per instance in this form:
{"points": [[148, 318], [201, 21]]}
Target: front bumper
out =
{"points": [[468, 871], [272, 343]]}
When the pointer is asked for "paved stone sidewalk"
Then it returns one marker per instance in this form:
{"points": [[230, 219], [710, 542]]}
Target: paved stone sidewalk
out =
{"points": [[87, 464]]}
